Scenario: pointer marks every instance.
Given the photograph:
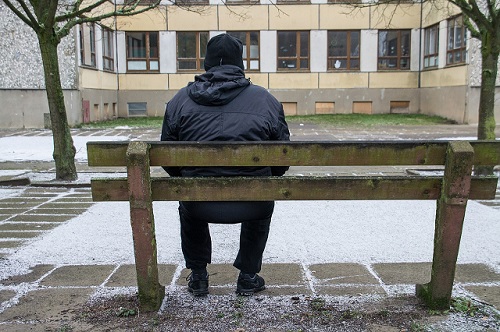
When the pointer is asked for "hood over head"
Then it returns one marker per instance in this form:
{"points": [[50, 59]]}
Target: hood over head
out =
{"points": [[218, 86]]}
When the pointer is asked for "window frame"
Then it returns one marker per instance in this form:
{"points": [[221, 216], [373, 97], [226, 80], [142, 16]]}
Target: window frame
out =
{"points": [[398, 56], [348, 57], [199, 50], [108, 45], [148, 58], [298, 57], [91, 45], [247, 46], [432, 30], [453, 50]]}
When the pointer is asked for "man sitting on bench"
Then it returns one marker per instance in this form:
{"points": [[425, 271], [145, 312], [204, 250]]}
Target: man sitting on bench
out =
{"points": [[223, 105]]}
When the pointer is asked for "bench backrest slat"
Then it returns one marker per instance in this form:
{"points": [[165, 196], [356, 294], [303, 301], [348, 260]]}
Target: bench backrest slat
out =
{"points": [[289, 188], [290, 154]]}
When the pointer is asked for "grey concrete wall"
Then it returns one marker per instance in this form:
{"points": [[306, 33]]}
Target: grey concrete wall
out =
{"points": [[26, 108], [473, 105], [103, 103], [447, 102], [155, 100], [306, 99]]}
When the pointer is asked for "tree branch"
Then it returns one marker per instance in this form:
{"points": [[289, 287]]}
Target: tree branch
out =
{"points": [[18, 13], [124, 11], [76, 12]]}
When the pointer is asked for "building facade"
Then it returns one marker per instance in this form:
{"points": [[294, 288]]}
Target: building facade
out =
{"points": [[316, 57]]}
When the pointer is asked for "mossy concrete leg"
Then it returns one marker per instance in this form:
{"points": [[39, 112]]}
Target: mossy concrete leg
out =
{"points": [[450, 215], [151, 293]]}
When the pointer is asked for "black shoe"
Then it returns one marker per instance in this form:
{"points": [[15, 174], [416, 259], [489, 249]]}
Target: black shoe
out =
{"points": [[248, 284], [198, 282]]}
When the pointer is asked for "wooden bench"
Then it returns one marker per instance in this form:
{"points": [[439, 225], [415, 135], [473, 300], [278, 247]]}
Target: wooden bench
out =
{"points": [[451, 190]]}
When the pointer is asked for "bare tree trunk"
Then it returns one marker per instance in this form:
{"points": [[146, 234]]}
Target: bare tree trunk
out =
{"points": [[64, 150], [486, 123]]}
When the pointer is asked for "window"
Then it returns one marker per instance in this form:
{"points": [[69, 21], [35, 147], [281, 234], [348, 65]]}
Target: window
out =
{"points": [[191, 48], [431, 46], [108, 61], [87, 44], [242, 2], [250, 42], [191, 2], [343, 50], [293, 50], [456, 50], [142, 51], [394, 49], [137, 109]]}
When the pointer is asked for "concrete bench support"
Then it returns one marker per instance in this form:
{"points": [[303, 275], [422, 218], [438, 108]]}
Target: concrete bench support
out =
{"points": [[151, 293], [450, 216]]}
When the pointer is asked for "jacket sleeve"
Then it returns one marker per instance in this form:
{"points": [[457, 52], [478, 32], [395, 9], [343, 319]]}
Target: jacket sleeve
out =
{"points": [[281, 133], [169, 133]]}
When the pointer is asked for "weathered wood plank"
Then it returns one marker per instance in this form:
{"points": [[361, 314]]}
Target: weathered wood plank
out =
{"points": [[290, 188], [292, 153]]}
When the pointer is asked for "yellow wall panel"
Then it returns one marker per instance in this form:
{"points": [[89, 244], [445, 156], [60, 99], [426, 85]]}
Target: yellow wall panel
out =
{"points": [[243, 18], [293, 17], [436, 11], [152, 20], [344, 17], [178, 81], [258, 79], [93, 79], [201, 18], [343, 80], [453, 76], [393, 80], [390, 16], [143, 81], [293, 81]]}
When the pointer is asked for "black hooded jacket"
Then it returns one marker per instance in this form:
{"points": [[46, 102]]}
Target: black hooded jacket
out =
{"points": [[222, 105]]}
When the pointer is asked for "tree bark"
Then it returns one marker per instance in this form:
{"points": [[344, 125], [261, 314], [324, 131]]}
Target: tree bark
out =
{"points": [[64, 150], [489, 69]]}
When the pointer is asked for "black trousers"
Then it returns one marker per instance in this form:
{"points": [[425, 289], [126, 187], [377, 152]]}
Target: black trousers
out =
{"points": [[255, 219]]}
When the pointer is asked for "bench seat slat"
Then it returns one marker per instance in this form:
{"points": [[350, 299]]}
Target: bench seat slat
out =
{"points": [[290, 188]]}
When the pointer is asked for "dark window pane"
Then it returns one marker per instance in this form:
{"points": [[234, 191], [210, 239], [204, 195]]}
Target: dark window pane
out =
{"points": [[186, 64], [338, 43], [355, 43], [354, 64], [136, 42], [287, 44], [186, 45], [304, 64], [203, 43], [304, 44], [153, 44]]}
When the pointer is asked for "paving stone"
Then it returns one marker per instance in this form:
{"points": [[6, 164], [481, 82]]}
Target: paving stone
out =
{"points": [[475, 273], [403, 273], [125, 276], [70, 198], [341, 273], [25, 226], [58, 211], [349, 290], [78, 275], [47, 305], [12, 211], [488, 294], [41, 218], [24, 204], [33, 275], [6, 295], [10, 244], [23, 199], [19, 235], [57, 206]]}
